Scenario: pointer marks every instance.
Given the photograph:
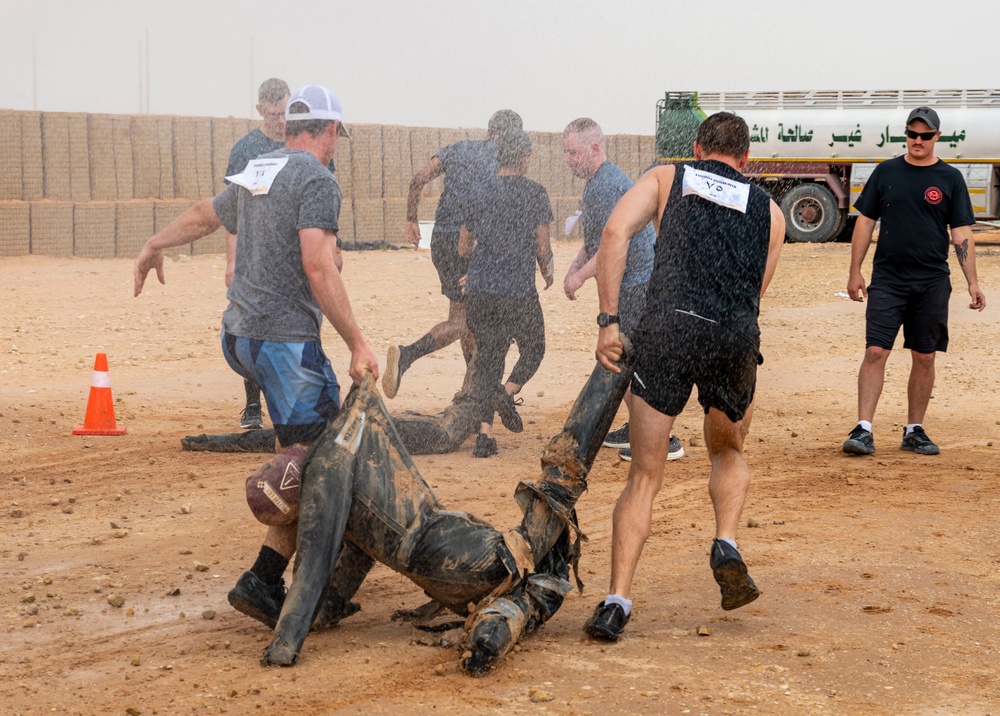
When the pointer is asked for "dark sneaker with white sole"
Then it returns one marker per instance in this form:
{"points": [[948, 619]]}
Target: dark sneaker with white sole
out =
{"points": [[607, 622], [918, 442], [617, 438], [507, 410], [860, 442], [252, 418], [676, 450], [260, 601], [730, 572]]}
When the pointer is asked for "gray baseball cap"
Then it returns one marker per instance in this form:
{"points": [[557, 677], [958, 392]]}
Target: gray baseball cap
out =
{"points": [[926, 115]]}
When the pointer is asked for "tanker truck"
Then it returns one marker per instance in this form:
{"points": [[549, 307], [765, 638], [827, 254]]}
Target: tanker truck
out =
{"points": [[813, 151]]}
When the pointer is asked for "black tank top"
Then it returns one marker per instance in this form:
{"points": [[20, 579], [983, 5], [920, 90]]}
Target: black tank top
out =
{"points": [[710, 258]]}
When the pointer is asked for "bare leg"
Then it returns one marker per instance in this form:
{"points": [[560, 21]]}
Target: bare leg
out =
{"points": [[453, 328], [633, 514], [920, 386], [871, 377], [282, 539], [730, 479], [400, 358]]}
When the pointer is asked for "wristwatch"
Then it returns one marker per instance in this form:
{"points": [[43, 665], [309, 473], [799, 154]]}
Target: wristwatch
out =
{"points": [[606, 319]]}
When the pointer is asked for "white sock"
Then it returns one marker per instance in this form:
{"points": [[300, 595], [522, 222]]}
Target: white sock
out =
{"points": [[731, 543], [865, 424], [910, 426], [624, 603]]}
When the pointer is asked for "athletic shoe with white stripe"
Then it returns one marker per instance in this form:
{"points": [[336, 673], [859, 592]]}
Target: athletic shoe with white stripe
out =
{"points": [[676, 450]]}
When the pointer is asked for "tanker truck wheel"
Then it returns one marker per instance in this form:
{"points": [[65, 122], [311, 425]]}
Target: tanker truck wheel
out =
{"points": [[811, 214]]}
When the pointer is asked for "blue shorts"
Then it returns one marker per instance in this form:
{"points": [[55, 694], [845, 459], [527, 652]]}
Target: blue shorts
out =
{"points": [[297, 380]]}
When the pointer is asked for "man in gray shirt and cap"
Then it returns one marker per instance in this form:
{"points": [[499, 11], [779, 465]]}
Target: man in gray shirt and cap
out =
{"points": [[284, 207]]}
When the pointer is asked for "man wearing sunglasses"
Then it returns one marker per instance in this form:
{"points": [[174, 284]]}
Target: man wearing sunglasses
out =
{"points": [[921, 202]]}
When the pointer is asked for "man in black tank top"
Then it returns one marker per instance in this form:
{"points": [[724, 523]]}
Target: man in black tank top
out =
{"points": [[716, 251]]}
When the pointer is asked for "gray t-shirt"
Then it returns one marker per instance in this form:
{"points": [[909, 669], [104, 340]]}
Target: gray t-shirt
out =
{"points": [[251, 146], [270, 298], [467, 164], [600, 196]]}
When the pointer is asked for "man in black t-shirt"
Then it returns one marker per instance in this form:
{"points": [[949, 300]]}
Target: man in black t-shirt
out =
{"points": [[506, 220], [464, 165], [716, 251], [920, 201]]}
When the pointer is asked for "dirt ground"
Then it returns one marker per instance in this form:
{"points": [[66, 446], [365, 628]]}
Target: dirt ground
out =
{"points": [[879, 574]]}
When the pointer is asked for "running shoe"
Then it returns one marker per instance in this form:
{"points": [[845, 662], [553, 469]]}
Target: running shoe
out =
{"points": [[862, 442], [507, 410], [730, 572], [676, 450], [918, 442], [617, 438], [393, 372], [252, 418], [607, 622], [260, 601]]}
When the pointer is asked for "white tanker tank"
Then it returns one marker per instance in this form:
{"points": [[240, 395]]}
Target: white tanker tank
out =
{"points": [[814, 151]]}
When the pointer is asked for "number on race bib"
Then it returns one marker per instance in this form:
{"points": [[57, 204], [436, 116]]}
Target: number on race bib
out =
{"points": [[259, 175], [716, 189]]}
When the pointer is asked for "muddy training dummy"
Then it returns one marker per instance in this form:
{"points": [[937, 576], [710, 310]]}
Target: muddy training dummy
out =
{"points": [[362, 500]]}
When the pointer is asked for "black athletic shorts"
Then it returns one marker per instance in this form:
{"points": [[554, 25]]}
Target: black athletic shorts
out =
{"points": [[450, 266], [688, 350], [921, 309]]}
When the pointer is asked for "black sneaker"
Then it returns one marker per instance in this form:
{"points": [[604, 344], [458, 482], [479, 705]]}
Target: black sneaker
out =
{"points": [[258, 600], [252, 418], [730, 572], [617, 438], [676, 450], [918, 442], [485, 446], [507, 410], [607, 622], [393, 372], [860, 442]]}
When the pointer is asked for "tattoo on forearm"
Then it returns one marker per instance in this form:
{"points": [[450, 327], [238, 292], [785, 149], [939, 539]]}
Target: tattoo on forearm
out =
{"points": [[962, 251]]}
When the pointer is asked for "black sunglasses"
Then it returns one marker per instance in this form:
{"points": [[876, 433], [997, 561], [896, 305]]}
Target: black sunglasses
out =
{"points": [[926, 136]]}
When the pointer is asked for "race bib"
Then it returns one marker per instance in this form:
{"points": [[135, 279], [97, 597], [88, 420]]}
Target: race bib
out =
{"points": [[259, 175], [716, 189]]}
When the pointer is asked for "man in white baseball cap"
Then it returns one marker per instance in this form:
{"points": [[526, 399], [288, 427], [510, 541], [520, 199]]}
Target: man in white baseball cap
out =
{"points": [[287, 278], [313, 102]]}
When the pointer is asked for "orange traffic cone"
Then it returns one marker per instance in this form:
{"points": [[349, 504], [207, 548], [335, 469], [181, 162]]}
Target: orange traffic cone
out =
{"points": [[100, 418]]}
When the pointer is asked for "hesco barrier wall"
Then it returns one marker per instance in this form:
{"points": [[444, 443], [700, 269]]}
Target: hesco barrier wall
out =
{"points": [[99, 185]]}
